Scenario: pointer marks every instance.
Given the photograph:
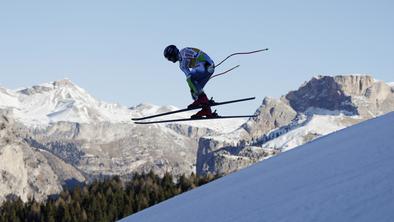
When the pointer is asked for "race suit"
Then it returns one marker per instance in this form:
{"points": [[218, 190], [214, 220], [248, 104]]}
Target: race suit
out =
{"points": [[198, 68]]}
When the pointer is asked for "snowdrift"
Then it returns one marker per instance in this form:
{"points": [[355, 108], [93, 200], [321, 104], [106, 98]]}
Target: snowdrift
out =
{"points": [[345, 176]]}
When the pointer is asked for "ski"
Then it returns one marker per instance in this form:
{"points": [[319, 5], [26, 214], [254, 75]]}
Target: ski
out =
{"points": [[199, 107], [193, 119]]}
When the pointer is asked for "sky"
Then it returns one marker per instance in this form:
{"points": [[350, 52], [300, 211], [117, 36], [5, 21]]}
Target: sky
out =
{"points": [[114, 49]]}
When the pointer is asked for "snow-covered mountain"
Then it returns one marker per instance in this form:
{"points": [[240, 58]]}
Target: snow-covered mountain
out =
{"points": [[94, 137], [345, 176], [60, 101], [64, 101], [320, 106]]}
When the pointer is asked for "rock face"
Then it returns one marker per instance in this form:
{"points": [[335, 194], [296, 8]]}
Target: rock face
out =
{"points": [[320, 106], [118, 149], [227, 153], [372, 98], [323, 92], [228, 159], [270, 115], [356, 95], [26, 172]]}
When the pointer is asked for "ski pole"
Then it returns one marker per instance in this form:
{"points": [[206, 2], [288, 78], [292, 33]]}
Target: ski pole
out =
{"points": [[241, 53], [216, 75]]}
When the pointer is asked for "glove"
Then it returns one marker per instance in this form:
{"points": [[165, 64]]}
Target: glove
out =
{"points": [[211, 69]]}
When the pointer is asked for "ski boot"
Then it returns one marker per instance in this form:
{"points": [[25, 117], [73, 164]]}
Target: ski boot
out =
{"points": [[206, 112], [200, 101]]}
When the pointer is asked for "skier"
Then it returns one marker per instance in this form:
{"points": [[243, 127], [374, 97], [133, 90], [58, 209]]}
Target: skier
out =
{"points": [[198, 68]]}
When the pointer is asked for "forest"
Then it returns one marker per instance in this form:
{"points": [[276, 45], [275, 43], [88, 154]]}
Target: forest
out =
{"points": [[102, 200]]}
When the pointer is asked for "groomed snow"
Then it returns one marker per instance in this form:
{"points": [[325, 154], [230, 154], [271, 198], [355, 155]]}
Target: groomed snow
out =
{"points": [[345, 176]]}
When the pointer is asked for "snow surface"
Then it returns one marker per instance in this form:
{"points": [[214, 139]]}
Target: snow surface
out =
{"points": [[8, 98], [318, 125], [344, 176]]}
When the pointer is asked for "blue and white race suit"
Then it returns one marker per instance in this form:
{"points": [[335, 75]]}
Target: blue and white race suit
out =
{"points": [[198, 68]]}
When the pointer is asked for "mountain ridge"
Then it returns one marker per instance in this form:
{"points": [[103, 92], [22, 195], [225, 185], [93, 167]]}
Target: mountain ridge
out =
{"points": [[77, 131]]}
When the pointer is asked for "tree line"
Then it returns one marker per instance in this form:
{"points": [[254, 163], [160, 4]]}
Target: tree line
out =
{"points": [[102, 200]]}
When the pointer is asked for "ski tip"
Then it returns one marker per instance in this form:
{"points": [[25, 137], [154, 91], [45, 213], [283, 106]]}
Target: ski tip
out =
{"points": [[141, 123], [137, 119]]}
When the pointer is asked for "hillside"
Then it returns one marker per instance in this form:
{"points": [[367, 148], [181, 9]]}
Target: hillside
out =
{"points": [[320, 106], [345, 176], [61, 123]]}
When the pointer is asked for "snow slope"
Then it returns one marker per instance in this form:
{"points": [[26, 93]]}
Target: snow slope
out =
{"points": [[345, 176]]}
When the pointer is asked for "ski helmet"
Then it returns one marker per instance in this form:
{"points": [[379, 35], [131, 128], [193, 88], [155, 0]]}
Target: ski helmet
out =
{"points": [[171, 53]]}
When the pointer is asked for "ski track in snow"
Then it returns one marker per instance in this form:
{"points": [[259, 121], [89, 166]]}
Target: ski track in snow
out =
{"points": [[344, 176]]}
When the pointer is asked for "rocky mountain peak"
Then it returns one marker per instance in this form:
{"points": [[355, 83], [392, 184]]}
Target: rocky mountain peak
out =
{"points": [[349, 94], [63, 82], [34, 90], [323, 92], [354, 85], [271, 114], [48, 87]]}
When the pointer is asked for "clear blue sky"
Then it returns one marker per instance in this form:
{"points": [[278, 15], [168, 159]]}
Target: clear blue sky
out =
{"points": [[113, 49]]}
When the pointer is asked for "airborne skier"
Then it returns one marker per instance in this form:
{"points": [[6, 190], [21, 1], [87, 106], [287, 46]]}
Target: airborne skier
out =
{"points": [[198, 68]]}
